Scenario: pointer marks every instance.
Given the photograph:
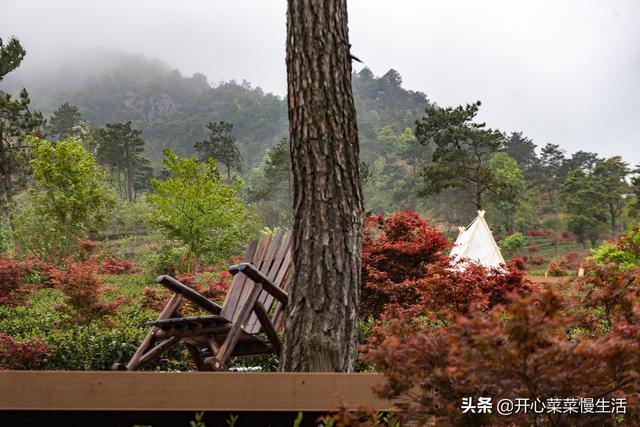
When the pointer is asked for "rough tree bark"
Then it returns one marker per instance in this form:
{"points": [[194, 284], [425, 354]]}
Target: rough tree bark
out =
{"points": [[321, 323]]}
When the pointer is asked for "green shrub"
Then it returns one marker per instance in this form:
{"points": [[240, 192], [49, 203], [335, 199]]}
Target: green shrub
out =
{"points": [[70, 199], [169, 258], [6, 236], [129, 218], [513, 242], [193, 206], [92, 346], [625, 252]]}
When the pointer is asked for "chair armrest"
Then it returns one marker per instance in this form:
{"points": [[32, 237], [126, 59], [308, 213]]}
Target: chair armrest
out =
{"points": [[193, 296], [254, 274]]}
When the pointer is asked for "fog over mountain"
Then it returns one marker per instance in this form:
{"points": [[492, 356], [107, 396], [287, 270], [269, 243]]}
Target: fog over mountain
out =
{"points": [[562, 72]]}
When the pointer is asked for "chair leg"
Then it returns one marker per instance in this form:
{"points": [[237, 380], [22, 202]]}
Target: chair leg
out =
{"points": [[149, 340], [197, 358], [158, 350], [217, 362], [222, 356]]}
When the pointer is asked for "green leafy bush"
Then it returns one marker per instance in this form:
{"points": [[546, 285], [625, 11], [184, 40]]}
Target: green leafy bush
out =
{"points": [[90, 346], [70, 199], [169, 258], [513, 242], [130, 218], [6, 236], [194, 207], [625, 252]]}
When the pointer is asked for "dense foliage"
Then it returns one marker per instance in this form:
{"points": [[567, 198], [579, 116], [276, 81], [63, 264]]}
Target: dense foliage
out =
{"points": [[84, 293], [221, 146], [521, 185], [193, 206], [625, 252], [397, 250], [119, 146], [17, 121], [462, 153], [70, 199], [21, 355], [20, 277], [577, 341], [406, 273]]}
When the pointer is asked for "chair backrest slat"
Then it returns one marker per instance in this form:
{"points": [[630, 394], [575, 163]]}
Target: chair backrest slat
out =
{"points": [[271, 256], [242, 285], [283, 282], [233, 296], [280, 245], [258, 259]]}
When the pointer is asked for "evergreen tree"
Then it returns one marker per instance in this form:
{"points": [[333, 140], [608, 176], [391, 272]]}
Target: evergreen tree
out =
{"points": [[508, 191], [549, 172], [392, 77], [612, 174], [120, 146], [463, 150], [321, 328], [582, 160], [521, 149], [275, 190], [585, 204], [64, 120], [143, 176], [635, 190], [16, 122], [221, 145]]}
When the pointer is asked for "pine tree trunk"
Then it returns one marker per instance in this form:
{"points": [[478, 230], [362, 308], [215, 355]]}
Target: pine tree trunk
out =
{"points": [[321, 320], [129, 177], [612, 212], [6, 199]]}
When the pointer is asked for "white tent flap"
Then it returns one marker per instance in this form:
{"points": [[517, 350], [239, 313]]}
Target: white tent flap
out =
{"points": [[476, 243]]}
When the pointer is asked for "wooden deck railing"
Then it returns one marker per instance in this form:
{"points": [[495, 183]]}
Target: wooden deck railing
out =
{"points": [[192, 391]]}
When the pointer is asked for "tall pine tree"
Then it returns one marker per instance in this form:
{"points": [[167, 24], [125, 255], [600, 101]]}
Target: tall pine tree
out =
{"points": [[221, 145], [322, 315], [120, 146], [462, 153], [63, 121], [16, 122]]}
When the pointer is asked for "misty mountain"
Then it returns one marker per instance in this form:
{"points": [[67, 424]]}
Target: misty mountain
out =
{"points": [[172, 110]]}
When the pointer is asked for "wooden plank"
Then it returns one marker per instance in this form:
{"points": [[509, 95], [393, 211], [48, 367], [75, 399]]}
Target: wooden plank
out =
{"points": [[258, 259], [231, 300], [282, 280], [229, 344], [186, 391], [253, 326]]}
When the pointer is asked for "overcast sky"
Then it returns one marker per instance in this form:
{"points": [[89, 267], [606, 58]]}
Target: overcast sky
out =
{"points": [[562, 71]]}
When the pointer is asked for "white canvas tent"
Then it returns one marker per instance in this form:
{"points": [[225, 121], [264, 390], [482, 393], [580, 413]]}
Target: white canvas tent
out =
{"points": [[476, 244]]}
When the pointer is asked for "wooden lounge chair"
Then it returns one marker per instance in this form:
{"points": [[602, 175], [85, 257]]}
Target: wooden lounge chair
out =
{"points": [[254, 306]]}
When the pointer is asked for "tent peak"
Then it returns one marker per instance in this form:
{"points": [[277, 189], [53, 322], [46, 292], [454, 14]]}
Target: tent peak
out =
{"points": [[475, 243]]}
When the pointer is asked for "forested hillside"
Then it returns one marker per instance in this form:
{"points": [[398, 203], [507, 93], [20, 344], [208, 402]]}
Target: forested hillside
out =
{"points": [[172, 111], [411, 150]]}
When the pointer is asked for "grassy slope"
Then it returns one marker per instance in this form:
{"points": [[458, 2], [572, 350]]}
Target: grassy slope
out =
{"points": [[547, 249]]}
